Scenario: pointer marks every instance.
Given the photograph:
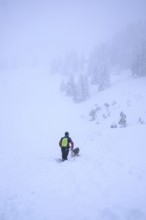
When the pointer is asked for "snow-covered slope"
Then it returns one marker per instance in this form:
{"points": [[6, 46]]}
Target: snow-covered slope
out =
{"points": [[107, 181]]}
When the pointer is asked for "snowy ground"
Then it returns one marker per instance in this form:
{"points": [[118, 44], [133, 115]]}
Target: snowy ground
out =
{"points": [[107, 181]]}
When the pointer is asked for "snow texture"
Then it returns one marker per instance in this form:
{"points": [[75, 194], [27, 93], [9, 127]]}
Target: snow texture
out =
{"points": [[106, 182]]}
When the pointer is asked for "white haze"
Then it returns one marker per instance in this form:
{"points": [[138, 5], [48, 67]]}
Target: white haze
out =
{"points": [[108, 180], [39, 30]]}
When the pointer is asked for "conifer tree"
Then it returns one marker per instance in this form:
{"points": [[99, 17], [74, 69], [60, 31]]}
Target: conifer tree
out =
{"points": [[139, 64], [98, 67], [70, 87], [82, 89], [122, 121]]}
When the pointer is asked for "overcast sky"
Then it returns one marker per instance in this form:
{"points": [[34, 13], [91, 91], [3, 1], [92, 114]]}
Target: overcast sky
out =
{"points": [[51, 27]]}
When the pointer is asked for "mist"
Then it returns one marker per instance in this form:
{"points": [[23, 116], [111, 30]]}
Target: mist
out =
{"points": [[76, 66], [33, 32]]}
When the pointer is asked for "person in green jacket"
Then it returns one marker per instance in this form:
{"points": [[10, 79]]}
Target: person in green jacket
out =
{"points": [[66, 143]]}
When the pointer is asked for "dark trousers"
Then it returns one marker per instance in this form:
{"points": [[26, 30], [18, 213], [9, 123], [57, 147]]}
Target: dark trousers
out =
{"points": [[65, 152]]}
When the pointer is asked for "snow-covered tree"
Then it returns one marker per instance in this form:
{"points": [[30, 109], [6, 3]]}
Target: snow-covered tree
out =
{"points": [[127, 44], [139, 64], [93, 112], [113, 125], [79, 90], [82, 89], [122, 121], [70, 87], [104, 78], [98, 67], [140, 120]]}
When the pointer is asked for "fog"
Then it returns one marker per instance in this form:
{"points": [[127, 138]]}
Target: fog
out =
{"points": [[36, 31], [108, 181]]}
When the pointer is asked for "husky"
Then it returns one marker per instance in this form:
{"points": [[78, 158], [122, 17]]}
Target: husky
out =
{"points": [[75, 152]]}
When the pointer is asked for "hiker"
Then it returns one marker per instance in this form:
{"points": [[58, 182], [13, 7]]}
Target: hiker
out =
{"points": [[66, 143]]}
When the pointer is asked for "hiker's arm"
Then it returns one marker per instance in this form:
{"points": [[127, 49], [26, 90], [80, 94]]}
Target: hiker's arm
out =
{"points": [[72, 144]]}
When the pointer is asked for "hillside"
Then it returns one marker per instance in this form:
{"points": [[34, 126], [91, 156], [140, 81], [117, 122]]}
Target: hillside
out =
{"points": [[107, 181]]}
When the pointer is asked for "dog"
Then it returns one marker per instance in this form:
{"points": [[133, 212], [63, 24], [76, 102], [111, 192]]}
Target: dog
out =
{"points": [[75, 152]]}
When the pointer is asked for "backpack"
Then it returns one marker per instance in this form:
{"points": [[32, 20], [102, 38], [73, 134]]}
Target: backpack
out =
{"points": [[64, 142]]}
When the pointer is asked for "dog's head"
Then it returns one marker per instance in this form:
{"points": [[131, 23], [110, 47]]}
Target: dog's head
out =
{"points": [[76, 151]]}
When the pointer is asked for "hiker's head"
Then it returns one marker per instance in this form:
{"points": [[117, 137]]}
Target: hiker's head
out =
{"points": [[67, 134]]}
